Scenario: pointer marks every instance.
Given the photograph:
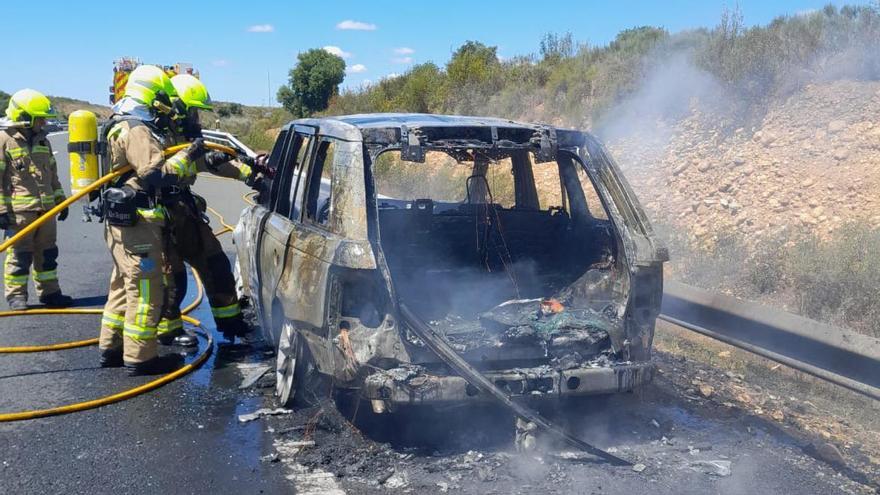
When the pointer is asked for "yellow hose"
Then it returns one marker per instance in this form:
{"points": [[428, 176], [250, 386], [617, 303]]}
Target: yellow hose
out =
{"points": [[98, 183], [125, 394], [200, 294], [64, 204], [54, 211]]}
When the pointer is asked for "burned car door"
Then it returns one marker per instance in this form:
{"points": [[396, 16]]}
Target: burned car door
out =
{"points": [[250, 225], [312, 247], [278, 224]]}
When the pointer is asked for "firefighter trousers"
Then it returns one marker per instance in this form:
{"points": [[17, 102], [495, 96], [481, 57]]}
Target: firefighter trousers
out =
{"points": [[38, 249], [137, 290], [193, 242]]}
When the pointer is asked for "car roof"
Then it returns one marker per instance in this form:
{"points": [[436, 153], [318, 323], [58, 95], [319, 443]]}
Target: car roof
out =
{"points": [[384, 120], [349, 126]]}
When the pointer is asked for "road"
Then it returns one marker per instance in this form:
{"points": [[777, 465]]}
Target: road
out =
{"points": [[186, 437]]}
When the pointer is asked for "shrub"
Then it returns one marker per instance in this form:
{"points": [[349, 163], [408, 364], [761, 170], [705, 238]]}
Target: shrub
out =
{"points": [[838, 280]]}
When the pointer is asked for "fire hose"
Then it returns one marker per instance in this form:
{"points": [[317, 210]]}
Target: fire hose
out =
{"points": [[125, 394]]}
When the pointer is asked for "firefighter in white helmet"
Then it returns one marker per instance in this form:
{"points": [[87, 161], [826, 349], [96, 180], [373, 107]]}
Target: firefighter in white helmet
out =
{"points": [[29, 187]]}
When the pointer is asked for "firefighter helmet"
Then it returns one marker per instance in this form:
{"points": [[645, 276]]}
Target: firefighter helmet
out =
{"points": [[149, 85], [192, 92], [27, 104]]}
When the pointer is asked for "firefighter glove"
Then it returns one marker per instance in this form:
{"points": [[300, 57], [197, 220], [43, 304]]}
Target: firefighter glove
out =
{"points": [[196, 149], [255, 181], [63, 215], [216, 158], [5, 221], [261, 165]]}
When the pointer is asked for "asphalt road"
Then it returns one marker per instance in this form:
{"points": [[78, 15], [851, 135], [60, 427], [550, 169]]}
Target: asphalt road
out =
{"points": [[186, 438], [182, 438]]}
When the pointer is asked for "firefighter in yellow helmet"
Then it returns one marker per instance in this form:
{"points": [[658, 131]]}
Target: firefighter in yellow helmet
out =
{"points": [[135, 219], [29, 187], [192, 240]]}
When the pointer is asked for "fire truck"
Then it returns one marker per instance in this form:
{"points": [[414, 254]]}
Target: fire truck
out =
{"points": [[122, 68]]}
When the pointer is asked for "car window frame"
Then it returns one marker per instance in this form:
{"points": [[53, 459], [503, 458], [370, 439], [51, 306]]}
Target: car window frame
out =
{"points": [[309, 184], [289, 168], [275, 163]]}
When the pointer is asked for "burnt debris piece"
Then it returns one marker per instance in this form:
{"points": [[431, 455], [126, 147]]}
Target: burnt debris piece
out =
{"points": [[547, 321]]}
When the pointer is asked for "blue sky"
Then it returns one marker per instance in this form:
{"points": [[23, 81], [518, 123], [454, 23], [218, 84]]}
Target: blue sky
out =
{"points": [[244, 49]]}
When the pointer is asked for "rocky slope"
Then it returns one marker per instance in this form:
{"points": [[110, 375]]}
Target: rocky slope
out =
{"points": [[812, 164]]}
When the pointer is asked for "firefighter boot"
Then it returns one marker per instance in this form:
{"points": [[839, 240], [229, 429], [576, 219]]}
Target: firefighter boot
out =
{"points": [[56, 300], [233, 327], [17, 303], [186, 340], [110, 358], [178, 337], [156, 366]]}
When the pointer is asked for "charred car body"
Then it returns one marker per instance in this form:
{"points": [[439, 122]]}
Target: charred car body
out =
{"points": [[520, 244]]}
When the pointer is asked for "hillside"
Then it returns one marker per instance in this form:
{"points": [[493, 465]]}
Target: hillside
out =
{"points": [[811, 164], [65, 106]]}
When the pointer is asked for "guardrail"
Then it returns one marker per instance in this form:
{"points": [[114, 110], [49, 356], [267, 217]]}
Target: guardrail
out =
{"points": [[833, 354], [228, 139]]}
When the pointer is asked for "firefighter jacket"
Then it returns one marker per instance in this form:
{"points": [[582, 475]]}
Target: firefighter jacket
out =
{"points": [[28, 173], [134, 143]]}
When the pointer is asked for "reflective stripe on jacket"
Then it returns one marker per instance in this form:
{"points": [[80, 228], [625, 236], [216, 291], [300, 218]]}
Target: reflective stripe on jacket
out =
{"points": [[28, 173]]}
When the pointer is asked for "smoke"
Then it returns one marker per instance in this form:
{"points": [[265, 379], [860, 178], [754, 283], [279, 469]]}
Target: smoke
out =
{"points": [[735, 79], [670, 91]]}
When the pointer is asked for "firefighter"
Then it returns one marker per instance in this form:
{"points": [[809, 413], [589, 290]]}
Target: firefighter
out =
{"points": [[193, 241], [135, 220], [29, 187]]}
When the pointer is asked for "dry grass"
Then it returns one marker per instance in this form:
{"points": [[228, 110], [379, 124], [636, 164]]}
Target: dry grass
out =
{"points": [[827, 410]]}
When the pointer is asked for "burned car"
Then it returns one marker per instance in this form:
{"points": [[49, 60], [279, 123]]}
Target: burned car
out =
{"points": [[519, 246]]}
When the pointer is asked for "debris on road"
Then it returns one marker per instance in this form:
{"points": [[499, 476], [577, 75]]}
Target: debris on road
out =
{"points": [[525, 435], [706, 390], [395, 479], [715, 468], [639, 468], [252, 372], [259, 413]]}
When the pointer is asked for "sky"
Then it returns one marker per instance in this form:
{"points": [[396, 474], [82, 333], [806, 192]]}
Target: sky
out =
{"points": [[244, 50]]}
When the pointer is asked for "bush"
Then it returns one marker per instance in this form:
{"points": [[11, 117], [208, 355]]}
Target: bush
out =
{"points": [[838, 280], [833, 281], [228, 109]]}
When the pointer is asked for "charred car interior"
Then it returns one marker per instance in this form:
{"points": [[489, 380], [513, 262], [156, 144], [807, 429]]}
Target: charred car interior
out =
{"points": [[520, 247]]}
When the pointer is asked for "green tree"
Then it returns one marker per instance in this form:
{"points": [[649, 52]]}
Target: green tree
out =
{"points": [[229, 109], [556, 47], [312, 83], [472, 75], [472, 63], [420, 87]]}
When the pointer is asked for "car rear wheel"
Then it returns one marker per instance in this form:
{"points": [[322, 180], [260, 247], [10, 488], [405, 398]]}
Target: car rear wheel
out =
{"points": [[288, 359]]}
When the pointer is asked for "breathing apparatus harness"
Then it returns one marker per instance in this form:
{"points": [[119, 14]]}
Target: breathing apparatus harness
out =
{"points": [[118, 203]]}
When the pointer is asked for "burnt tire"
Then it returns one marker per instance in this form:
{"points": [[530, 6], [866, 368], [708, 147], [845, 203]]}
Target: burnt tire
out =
{"points": [[288, 364]]}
